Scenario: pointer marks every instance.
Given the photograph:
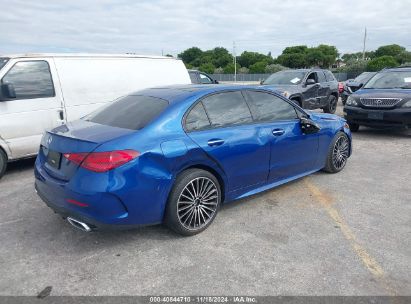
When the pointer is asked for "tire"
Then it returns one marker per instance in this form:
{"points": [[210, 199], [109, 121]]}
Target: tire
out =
{"points": [[3, 163], [193, 202], [337, 153], [354, 127], [331, 106]]}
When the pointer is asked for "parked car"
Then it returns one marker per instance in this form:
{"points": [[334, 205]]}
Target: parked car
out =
{"points": [[198, 77], [309, 88], [355, 84], [40, 92], [384, 101], [175, 154]]}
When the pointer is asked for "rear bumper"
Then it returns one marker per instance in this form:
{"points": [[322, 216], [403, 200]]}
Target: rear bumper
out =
{"points": [[400, 117], [130, 204]]}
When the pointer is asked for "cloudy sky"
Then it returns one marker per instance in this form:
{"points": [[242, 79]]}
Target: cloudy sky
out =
{"points": [[156, 26]]}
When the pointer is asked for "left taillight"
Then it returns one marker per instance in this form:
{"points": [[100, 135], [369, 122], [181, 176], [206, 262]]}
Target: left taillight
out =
{"points": [[102, 161]]}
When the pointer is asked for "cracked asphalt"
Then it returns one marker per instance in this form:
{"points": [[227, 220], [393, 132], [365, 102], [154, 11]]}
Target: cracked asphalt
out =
{"points": [[326, 234]]}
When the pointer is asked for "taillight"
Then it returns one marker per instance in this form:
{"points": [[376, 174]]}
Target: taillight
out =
{"points": [[102, 161]]}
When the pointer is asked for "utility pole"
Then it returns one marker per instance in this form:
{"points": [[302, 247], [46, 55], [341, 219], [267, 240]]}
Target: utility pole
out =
{"points": [[363, 49], [235, 63]]}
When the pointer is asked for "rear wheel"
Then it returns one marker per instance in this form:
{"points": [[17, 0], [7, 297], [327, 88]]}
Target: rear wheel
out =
{"points": [[353, 127], [337, 153], [3, 163], [193, 203], [331, 107]]}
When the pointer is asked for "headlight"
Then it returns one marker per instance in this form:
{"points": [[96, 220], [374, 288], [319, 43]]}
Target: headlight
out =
{"points": [[286, 94], [351, 101], [407, 104]]}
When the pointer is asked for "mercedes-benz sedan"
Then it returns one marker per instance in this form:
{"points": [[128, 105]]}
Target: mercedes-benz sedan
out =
{"points": [[173, 155]]}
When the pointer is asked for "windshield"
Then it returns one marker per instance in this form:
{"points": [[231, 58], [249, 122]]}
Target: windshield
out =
{"points": [[285, 77], [390, 80], [3, 62], [364, 77]]}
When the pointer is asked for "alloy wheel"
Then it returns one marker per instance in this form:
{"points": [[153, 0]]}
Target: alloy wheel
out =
{"points": [[340, 152], [197, 203]]}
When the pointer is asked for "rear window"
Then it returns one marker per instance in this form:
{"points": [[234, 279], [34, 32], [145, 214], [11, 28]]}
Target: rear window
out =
{"points": [[131, 112]]}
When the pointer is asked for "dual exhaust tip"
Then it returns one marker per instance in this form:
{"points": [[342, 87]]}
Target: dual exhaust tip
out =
{"points": [[78, 224]]}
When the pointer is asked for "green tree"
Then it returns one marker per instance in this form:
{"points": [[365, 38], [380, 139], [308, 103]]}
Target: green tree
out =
{"points": [[191, 54], [300, 49], [274, 68], [258, 67], [293, 60], [229, 68], [389, 50], [314, 57], [379, 63], [403, 57], [221, 57], [246, 59], [207, 68]]}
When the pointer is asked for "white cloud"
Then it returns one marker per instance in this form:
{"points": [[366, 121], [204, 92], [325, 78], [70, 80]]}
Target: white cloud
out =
{"points": [[148, 27]]}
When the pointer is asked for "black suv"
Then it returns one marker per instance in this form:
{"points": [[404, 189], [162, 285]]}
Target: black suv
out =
{"points": [[200, 77], [310, 88], [384, 101]]}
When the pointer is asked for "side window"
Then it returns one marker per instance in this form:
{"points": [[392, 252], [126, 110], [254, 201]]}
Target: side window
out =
{"points": [[193, 77], [31, 79], [197, 118], [225, 109], [267, 107], [205, 79], [313, 76], [321, 76]]}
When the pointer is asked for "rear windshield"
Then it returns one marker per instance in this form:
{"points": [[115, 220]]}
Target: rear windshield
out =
{"points": [[3, 62], [131, 112]]}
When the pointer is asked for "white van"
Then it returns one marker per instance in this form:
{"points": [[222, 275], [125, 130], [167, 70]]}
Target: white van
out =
{"points": [[42, 91]]}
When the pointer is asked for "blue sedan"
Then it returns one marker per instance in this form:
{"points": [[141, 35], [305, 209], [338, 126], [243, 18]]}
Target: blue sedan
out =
{"points": [[173, 155]]}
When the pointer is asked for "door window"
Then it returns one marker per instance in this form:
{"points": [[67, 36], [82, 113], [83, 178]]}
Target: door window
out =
{"points": [[197, 118], [268, 107], [312, 76], [31, 79], [205, 79], [227, 109]]}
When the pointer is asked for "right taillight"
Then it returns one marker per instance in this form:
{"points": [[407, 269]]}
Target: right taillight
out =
{"points": [[102, 161]]}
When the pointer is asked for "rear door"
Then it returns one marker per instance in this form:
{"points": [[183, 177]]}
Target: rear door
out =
{"points": [[37, 106], [291, 151], [222, 125]]}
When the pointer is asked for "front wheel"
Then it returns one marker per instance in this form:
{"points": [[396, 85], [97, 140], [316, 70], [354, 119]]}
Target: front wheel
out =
{"points": [[3, 163], [331, 107], [337, 153], [193, 202]]}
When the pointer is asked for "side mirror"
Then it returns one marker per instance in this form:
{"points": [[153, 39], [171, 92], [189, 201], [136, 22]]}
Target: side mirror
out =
{"points": [[216, 81], [261, 82], [308, 126], [310, 81], [7, 91]]}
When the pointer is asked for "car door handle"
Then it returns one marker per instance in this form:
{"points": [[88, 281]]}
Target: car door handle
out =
{"points": [[278, 132], [215, 142]]}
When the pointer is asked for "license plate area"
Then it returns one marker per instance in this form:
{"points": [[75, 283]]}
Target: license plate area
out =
{"points": [[54, 159], [377, 115]]}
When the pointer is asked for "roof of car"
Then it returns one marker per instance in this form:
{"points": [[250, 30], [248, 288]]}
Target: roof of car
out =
{"points": [[398, 69], [178, 92], [65, 55]]}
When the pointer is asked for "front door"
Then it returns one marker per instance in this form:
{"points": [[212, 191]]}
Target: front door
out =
{"points": [[291, 151], [37, 105]]}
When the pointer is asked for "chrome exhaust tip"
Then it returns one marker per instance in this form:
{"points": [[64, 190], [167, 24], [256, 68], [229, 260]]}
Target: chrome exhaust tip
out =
{"points": [[79, 225]]}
